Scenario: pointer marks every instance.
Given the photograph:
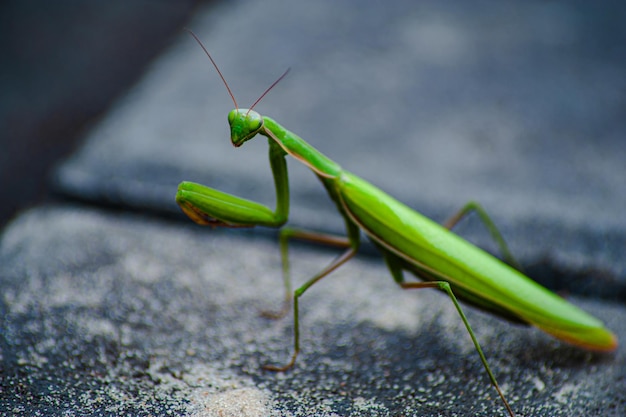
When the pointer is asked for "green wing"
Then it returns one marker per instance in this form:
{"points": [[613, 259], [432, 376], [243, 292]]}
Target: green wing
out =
{"points": [[478, 276]]}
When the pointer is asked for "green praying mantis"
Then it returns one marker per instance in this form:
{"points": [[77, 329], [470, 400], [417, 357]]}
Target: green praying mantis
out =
{"points": [[407, 240]]}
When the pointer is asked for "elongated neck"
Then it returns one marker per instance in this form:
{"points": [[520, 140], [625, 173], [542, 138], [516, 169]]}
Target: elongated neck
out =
{"points": [[299, 149]]}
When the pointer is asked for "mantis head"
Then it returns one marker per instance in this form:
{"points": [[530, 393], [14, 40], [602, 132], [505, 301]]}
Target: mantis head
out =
{"points": [[244, 125]]}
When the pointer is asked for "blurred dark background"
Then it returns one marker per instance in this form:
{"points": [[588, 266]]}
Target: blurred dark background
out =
{"points": [[63, 63]]}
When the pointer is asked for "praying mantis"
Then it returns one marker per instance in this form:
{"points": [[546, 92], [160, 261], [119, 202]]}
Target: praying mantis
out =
{"points": [[407, 240]]}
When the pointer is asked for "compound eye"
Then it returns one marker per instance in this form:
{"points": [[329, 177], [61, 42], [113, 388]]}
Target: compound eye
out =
{"points": [[232, 115], [254, 123]]}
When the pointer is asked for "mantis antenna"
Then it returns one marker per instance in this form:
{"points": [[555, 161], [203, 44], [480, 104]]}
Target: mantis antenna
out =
{"points": [[215, 65], [232, 96], [268, 89]]}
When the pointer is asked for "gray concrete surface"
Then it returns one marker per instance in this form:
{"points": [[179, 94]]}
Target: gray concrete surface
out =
{"points": [[516, 105], [116, 314]]}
